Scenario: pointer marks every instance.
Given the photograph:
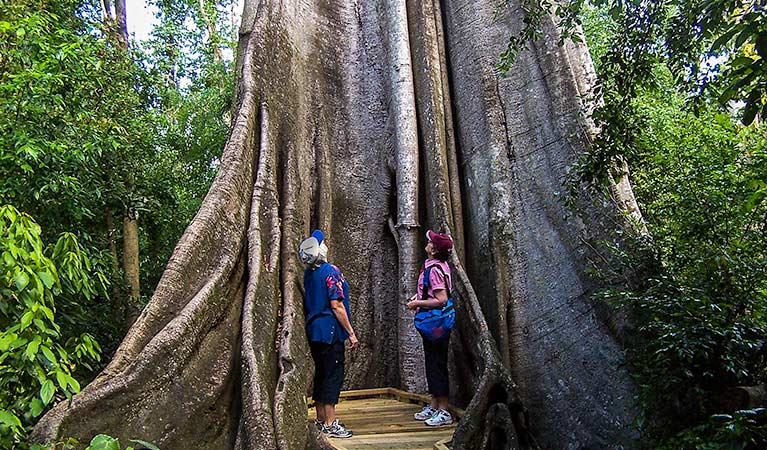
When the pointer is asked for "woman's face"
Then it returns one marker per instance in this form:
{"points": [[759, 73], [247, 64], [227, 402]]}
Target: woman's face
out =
{"points": [[430, 249]]}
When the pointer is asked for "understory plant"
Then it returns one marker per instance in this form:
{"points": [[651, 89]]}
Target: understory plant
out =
{"points": [[39, 354]]}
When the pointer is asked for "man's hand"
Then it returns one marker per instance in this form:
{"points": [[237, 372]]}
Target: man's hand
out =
{"points": [[353, 341]]}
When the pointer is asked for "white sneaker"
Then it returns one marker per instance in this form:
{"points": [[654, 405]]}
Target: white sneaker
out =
{"points": [[425, 413], [336, 430], [441, 417]]}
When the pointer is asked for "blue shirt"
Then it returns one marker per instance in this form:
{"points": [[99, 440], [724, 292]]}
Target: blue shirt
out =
{"points": [[321, 285]]}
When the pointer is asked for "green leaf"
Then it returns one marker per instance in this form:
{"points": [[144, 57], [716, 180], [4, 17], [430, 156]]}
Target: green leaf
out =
{"points": [[47, 311], [73, 383], [9, 419], [46, 392], [104, 442], [48, 354], [20, 33], [742, 37], [18, 343], [46, 278], [742, 61], [22, 280], [723, 40], [5, 341], [749, 113], [32, 348], [727, 95], [36, 407], [145, 444], [26, 319], [61, 378]]}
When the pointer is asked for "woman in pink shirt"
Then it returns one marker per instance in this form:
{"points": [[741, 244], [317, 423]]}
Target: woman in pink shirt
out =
{"points": [[438, 249]]}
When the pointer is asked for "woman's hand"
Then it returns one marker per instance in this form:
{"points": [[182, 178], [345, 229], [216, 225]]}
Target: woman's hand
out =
{"points": [[413, 304]]}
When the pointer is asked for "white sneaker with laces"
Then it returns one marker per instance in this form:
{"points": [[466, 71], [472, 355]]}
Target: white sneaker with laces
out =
{"points": [[425, 413], [336, 430], [441, 417]]}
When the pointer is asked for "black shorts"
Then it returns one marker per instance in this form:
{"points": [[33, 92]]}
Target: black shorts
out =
{"points": [[329, 362]]}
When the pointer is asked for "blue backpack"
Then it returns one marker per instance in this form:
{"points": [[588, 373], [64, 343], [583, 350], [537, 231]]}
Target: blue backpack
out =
{"points": [[437, 323]]}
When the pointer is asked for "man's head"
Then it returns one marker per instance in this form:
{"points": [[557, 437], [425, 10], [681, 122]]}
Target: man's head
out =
{"points": [[441, 244], [313, 251]]}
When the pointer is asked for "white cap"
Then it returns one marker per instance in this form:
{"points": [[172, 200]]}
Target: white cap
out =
{"points": [[313, 249]]}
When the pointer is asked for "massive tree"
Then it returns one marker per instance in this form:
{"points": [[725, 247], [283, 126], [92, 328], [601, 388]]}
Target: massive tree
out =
{"points": [[375, 120]]}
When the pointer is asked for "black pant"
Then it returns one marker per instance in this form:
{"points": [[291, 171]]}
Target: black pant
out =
{"points": [[436, 366], [329, 362]]}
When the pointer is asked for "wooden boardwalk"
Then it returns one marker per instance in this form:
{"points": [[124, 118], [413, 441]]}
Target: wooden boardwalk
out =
{"points": [[383, 419]]}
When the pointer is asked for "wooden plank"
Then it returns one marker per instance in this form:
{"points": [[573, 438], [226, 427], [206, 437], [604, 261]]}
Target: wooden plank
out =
{"points": [[421, 441], [382, 418], [443, 444]]}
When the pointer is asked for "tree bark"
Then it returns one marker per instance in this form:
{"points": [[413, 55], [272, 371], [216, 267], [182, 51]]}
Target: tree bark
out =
{"points": [[131, 265], [122, 22], [116, 291], [406, 144], [115, 22], [376, 120]]}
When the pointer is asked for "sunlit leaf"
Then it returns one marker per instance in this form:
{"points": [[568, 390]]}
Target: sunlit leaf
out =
{"points": [[46, 392]]}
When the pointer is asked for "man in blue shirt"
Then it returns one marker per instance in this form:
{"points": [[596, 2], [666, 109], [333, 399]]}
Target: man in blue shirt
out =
{"points": [[328, 325]]}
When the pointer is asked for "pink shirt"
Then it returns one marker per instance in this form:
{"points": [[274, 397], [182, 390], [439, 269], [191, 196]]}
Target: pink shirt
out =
{"points": [[436, 279]]}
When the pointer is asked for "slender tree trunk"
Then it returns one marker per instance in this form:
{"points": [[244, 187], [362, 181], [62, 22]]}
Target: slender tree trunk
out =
{"points": [[116, 292], [115, 21], [118, 25], [210, 24], [375, 120], [407, 227], [121, 19], [131, 265], [106, 10]]}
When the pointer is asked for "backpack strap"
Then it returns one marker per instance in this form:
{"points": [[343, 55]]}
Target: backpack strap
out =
{"points": [[425, 290], [426, 276], [446, 276]]}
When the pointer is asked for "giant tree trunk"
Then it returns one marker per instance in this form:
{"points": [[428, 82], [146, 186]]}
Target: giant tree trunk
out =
{"points": [[375, 120]]}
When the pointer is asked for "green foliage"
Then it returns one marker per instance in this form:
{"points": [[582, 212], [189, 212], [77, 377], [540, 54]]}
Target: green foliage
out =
{"points": [[89, 130], [700, 304], [64, 106], [742, 430], [194, 91], [37, 357], [99, 442], [105, 442]]}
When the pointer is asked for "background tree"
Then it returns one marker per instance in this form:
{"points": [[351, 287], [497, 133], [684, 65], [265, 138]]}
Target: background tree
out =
{"points": [[80, 115], [699, 311]]}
